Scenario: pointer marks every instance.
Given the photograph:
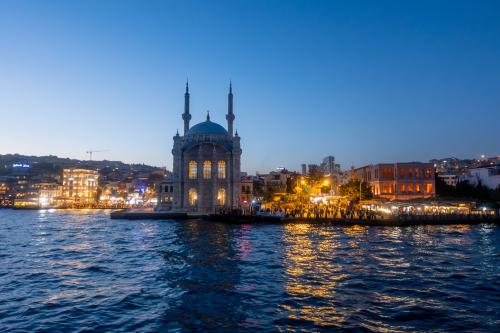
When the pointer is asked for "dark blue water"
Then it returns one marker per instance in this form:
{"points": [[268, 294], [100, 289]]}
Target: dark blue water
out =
{"points": [[80, 271]]}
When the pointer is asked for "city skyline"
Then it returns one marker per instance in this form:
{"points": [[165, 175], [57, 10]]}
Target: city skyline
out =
{"points": [[367, 83]]}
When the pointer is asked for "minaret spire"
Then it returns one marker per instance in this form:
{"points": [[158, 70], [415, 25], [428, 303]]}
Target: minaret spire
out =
{"points": [[186, 116], [230, 114]]}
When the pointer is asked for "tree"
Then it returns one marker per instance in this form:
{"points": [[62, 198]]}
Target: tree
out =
{"points": [[292, 181], [155, 177], [465, 190], [443, 189], [315, 174], [495, 196], [354, 188]]}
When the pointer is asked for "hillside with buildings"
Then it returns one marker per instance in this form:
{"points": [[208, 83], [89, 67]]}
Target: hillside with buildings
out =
{"points": [[47, 164], [51, 181]]}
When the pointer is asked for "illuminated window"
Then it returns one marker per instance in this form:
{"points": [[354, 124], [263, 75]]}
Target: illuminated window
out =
{"points": [[402, 188], [193, 169], [221, 196], [192, 196], [221, 170], [428, 188], [410, 188], [207, 170], [417, 188]]}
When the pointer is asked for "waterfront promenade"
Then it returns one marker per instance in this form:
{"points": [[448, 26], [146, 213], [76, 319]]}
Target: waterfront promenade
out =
{"points": [[403, 220]]}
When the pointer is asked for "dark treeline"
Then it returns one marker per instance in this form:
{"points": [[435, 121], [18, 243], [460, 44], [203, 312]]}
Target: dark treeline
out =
{"points": [[465, 190]]}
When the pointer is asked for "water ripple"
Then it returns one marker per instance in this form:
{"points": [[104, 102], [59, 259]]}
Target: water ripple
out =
{"points": [[78, 271]]}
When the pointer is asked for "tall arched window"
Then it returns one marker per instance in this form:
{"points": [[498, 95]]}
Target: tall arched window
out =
{"points": [[221, 196], [192, 196], [207, 170], [221, 170], [193, 169]]}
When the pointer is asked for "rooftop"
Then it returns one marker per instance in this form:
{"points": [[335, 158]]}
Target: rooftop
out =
{"points": [[207, 127]]}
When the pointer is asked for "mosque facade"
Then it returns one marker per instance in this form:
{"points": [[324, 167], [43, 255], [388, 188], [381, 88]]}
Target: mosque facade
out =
{"points": [[206, 166]]}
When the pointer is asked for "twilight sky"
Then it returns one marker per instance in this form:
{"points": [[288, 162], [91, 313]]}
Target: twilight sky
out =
{"points": [[367, 82]]}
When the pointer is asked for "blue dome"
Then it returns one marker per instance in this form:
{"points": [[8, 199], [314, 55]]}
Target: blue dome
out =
{"points": [[207, 127]]}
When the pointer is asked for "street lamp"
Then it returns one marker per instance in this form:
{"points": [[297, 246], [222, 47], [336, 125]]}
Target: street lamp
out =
{"points": [[360, 191]]}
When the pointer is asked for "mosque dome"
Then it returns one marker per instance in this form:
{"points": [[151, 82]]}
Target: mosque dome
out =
{"points": [[207, 127], [206, 166]]}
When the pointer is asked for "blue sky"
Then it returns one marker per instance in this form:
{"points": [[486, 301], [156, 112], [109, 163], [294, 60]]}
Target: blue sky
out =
{"points": [[367, 81]]}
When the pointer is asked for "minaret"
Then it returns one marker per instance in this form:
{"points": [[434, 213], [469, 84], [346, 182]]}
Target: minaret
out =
{"points": [[186, 115], [230, 114]]}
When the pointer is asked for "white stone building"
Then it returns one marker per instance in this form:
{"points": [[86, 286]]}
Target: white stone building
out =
{"points": [[488, 176], [449, 179], [206, 166]]}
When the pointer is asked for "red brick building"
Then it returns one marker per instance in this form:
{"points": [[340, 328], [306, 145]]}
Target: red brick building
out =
{"points": [[399, 181]]}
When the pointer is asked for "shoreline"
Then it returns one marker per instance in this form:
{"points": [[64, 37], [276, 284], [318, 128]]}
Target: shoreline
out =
{"points": [[402, 221], [245, 219]]}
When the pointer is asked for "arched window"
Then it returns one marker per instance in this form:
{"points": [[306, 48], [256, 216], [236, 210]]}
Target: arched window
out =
{"points": [[221, 196], [193, 169], [221, 170], [192, 196], [207, 170]]}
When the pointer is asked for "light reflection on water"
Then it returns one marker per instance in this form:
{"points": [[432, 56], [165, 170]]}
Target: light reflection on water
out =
{"points": [[311, 281], [77, 270]]}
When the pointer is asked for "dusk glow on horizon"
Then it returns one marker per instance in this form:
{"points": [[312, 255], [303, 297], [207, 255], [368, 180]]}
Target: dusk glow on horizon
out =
{"points": [[365, 81]]}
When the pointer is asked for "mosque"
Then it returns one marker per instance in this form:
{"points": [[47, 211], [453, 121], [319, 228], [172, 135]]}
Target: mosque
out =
{"points": [[206, 166]]}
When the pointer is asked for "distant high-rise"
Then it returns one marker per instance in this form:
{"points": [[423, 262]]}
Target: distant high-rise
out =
{"points": [[304, 169], [313, 169], [328, 165]]}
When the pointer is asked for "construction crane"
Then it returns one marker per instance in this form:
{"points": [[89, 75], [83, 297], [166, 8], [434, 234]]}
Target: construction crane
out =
{"points": [[90, 152]]}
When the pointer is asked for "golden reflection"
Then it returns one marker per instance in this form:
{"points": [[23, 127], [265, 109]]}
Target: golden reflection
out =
{"points": [[355, 232], [317, 315], [311, 273], [393, 234]]}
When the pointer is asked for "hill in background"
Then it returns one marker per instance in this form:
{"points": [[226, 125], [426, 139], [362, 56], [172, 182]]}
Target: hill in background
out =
{"points": [[52, 164]]}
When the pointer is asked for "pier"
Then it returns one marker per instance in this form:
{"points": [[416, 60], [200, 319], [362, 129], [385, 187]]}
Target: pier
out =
{"points": [[143, 214], [396, 221]]}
